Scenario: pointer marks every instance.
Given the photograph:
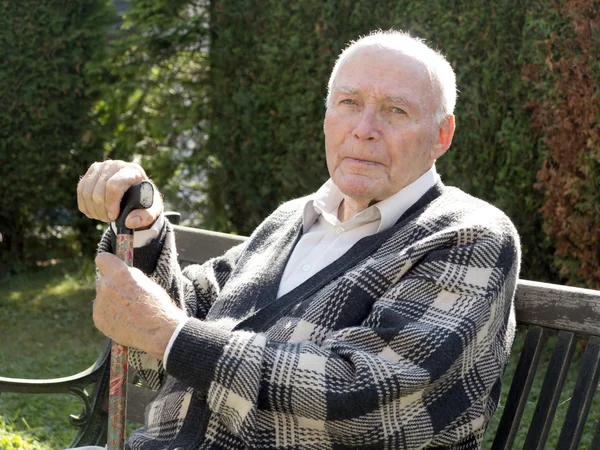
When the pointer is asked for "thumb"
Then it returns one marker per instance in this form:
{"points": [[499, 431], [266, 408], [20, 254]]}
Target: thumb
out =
{"points": [[143, 218], [108, 263]]}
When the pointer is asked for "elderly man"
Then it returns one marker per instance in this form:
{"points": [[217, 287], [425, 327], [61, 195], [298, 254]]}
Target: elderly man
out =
{"points": [[376, 312]]}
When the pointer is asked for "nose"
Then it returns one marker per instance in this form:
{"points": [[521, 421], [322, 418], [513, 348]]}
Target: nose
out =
{"points": [[367, 127]]}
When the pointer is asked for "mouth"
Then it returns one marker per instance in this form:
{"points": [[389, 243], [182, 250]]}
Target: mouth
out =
{"points": [[361, 161]]}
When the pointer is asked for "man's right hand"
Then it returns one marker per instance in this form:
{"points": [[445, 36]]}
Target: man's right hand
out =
{"points": [[101, 189]]}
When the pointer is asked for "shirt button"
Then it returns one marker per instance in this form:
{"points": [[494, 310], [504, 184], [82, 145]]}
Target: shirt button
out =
{"points": [[306, 267], [339, 230]]}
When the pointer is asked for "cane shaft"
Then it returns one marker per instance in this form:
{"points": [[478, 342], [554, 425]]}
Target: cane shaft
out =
{"points": [[119, 367]]}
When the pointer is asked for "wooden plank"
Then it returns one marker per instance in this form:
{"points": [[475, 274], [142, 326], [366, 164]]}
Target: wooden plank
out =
{"points": [[519, 388], [581, 400], [556, 374], [558, 307], [197, 246]]}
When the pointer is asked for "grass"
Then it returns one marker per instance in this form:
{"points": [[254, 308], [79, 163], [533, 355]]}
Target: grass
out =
{"points": [[47, 332]]}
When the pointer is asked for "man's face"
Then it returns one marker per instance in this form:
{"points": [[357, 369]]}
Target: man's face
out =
{"points": [[380, 130]]}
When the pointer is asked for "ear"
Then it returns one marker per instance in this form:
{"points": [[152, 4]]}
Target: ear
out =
{"points": [[445, 133]]}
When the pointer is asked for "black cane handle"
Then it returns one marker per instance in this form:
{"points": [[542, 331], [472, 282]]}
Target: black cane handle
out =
{"points": [[138, 196]]}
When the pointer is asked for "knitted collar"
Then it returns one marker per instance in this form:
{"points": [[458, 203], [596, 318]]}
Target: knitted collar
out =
{"points": [[267, 313]]}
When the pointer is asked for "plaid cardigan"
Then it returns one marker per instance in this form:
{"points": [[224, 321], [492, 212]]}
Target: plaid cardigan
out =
{"points": [[399, 344]]}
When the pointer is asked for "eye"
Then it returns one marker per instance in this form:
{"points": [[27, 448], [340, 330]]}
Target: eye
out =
{"points": [[348, 101], [397, 110]]}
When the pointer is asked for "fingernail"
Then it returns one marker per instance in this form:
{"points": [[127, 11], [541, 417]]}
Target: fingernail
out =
{"points": [[112, 216], [134, 222]]}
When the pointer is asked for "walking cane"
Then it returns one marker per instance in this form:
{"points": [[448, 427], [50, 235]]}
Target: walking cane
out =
{"points": [[137, 196]]}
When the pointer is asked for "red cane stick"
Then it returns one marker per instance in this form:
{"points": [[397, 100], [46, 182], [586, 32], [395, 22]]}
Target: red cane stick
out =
{"points": [[137, 196]]}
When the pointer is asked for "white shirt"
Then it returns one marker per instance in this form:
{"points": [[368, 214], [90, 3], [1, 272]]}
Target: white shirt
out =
{"points": [[325, 239]]}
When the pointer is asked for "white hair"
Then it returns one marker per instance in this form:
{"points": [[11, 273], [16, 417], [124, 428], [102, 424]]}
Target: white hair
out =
{"points": [[440, 71]]}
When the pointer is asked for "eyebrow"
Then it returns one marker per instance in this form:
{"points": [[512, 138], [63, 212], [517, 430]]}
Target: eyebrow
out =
{"points": [[400, 100], [396, 99], [345, 90]]}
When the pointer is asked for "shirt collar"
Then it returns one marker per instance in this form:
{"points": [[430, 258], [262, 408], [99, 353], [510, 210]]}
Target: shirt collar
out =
{"points": [[328, 198], [393, 207]]}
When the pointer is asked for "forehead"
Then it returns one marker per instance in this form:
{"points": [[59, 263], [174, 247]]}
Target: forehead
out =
{"points": [[385, 72]]}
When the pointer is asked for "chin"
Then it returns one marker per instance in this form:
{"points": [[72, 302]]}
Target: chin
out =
{"points": [[356, 190]]}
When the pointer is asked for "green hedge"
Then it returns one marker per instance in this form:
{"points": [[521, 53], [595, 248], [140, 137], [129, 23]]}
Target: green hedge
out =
{"points": [[245, 120], [47, 87], [153, 107], [565, 108], [270, 62]]}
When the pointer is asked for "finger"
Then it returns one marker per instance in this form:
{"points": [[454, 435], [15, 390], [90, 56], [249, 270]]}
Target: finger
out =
{"points": [[93, 186], [98, 196], [117, 185], [109, 169], [83, 189], [107, 264]]}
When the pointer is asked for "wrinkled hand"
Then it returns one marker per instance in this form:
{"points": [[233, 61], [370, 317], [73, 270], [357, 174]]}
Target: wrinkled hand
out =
{"points": [[133, 310], [101, 189]]}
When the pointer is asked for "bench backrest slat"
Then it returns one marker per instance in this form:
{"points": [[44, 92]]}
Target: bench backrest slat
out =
{"points": [[583, 394], [556, 374], [196, 246], [533, 347], [558, 307]]}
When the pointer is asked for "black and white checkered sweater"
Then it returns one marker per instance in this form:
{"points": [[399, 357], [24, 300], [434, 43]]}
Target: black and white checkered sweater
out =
{"points": [[399, 344]]}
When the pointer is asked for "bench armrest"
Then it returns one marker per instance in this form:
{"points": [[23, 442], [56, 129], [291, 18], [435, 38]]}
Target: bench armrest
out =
{"points": [[73, 384], [64, 385]]}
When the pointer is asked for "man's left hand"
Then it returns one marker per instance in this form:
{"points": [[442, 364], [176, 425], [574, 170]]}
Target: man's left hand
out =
{"points": [[133, 310]]}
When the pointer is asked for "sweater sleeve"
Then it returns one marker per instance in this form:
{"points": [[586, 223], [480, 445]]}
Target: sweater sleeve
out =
{"points": [[158, 260], [422, 369]]}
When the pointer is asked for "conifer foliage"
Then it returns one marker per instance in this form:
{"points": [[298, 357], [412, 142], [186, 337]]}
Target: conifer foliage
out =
{"points": [[47, 89]]}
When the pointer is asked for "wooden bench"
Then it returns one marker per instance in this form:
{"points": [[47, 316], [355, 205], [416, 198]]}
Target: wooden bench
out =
{"points": [[545, 309]]}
